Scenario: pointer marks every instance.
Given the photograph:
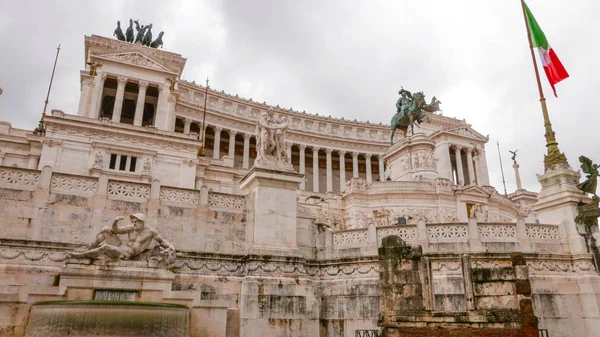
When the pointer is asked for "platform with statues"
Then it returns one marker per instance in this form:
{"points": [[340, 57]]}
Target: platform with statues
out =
{"points": [[247, 219]]}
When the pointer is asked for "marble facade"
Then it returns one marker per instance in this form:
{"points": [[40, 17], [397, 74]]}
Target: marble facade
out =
{"points": [[266, 251]]}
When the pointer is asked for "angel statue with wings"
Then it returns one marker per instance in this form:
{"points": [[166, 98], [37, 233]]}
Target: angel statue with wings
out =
{"points": [[591, 169]]}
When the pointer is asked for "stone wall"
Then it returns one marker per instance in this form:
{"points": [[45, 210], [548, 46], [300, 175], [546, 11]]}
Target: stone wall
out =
{"points": [[53, 207], [418, 300]]}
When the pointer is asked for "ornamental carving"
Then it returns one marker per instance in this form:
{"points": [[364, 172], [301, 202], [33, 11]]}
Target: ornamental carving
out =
{"points": [[134, 58], [19, 177], [122, 138], [479, 212], [356, 184], [497, 231], [73, 184], [542, 232], [220, 200], [453, 232], [179, 195], [467, 132], [355, 237], [121, 189], [329, 218], [405, 233]]}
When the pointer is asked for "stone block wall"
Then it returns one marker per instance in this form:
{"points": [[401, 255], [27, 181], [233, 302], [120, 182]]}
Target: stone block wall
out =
{"points": [[429, 295]]}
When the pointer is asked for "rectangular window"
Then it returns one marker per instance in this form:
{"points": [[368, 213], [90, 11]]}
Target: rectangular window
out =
{"points": [[123, 163], [113, 161], [132, 164]]}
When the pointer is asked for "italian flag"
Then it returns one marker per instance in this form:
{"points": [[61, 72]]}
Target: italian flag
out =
{"points": [[552, 66]]}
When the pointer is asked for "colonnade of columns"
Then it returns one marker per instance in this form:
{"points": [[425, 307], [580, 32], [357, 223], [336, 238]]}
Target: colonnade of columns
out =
{"points": [[140, 100], [469, 172], [316, 172]]}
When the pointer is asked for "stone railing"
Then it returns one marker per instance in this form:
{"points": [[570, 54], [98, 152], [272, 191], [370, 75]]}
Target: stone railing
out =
{"points": [[497, 231], [454, 237], [351, 238], [103, 187], [71, 184], [536, 232], [128, 191], [451, 232], [407, 233], [179, 195], [226, 201], [17, 178]]}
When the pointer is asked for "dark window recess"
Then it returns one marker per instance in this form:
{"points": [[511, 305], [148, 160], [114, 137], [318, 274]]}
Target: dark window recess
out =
{"points": [[113, 161], [123, 163], [128, 111], [132, 164]]}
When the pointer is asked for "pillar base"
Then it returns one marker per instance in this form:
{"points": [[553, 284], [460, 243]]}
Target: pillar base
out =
{"points": [[272, 210], [412, 158]]}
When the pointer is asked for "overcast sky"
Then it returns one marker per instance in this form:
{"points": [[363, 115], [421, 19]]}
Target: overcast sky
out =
{"points": [[341, 58]]}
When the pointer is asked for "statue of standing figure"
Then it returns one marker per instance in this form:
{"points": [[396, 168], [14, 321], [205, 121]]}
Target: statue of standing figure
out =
{"points": [[270, 139], [139, 237]]}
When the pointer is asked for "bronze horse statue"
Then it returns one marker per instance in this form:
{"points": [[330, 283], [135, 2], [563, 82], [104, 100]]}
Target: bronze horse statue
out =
{"points": [[415, 114]]}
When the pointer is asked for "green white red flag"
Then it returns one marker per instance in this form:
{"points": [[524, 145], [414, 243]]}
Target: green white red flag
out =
{"points": [[555, 72]]}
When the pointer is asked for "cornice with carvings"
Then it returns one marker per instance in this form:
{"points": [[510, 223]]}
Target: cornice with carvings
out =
{"points": [[59, 125]]}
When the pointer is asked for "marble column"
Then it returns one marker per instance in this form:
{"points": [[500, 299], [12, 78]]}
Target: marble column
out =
{"points": [[517, 176], [483, 175], [96, 101], [187, 123], [342, 170], [459, 166], [246, 159], [354, 164], [288, 149], [315, 169], [470, 166], [329, 170], [217, 145], [139, 105], [368, 168], [232, 143], [381, 168], [116, 116], [302, 166]]}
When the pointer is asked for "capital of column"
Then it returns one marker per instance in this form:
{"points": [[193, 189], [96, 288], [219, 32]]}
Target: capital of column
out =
{"points": [[103, 77], [457, 147], [143, 84], [232, 133], [187, 121], [302, 147], [355, 154], [316, 149], [341, 153], [328, 151], [247, 136], [121, 80], [217, 129], [367, 156]]}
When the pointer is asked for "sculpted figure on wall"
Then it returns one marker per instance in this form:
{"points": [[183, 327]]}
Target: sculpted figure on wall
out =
{"points": [[270, 141], [109, 244]]}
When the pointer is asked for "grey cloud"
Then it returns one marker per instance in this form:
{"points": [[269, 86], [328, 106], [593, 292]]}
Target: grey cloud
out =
{"points": [[340, 58]]}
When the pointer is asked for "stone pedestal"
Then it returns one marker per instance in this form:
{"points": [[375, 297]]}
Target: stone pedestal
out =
{"points": [[557, 204], [412, 158], [272, 210]]}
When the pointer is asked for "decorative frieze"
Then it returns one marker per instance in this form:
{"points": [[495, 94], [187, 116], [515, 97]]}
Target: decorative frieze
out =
{"points": [[221, 200], [447, 232], [69, 184], [497, 231], [179, 195], [351, 238], [126, 190], [19, 178], [406, 233], [542, 232]]}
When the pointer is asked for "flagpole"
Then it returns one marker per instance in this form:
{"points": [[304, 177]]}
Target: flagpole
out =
{"points": [[501, 167], [554, 155], [41, 128], [201, 150]]}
